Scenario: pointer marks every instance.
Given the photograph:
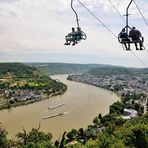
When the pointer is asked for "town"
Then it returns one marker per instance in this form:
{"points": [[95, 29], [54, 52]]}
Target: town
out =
{"points": [[122, 84], [118, 83], [15, 91]]}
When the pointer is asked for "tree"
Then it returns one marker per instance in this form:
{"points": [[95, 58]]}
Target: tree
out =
{"points": [[100, 116], [104, 141], [137, 106], [62, 140], [3, 138], [110, 118], [81, 133], [137, 136], [72, 135], [110, 129], [35, 138], [96, 121], [147, 103], [117, 107]]}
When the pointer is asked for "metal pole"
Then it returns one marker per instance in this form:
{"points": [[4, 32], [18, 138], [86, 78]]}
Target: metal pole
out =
{"points": [[127, 16], [77, 19]]}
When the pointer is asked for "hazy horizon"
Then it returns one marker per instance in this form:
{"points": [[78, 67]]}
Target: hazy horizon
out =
{"points": [[62, 62], [35, 31]]}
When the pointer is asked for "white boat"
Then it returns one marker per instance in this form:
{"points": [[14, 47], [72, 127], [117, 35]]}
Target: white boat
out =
{"points": [[55, 115], [55, 106]]}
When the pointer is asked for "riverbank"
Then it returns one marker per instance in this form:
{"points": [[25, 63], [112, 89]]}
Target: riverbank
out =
{"points": [[33, 99], [119, 86], [82, 103], [79, 80]]}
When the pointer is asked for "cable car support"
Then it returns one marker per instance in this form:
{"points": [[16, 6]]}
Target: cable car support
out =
{"points": [[75, 36], [126, 37]]}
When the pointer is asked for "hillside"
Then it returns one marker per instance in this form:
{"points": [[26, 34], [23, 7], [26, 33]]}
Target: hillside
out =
{"points": [[95, 69], [21, 85], [63, 68], [108, 71], [144, 71], [16, 69], [117, 71]]}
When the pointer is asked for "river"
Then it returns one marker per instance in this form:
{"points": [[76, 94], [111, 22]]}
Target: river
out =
{"points": [[82, 104]]}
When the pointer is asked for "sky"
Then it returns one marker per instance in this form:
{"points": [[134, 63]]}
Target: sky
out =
{"points": [[35, 30]]}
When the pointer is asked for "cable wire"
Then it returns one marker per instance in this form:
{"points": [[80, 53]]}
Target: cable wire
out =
{"points": [[118, 2], [135, 56], [108, 29], [138, 58], [141, 13], [116, 10], [125, 21], [97, 18]]}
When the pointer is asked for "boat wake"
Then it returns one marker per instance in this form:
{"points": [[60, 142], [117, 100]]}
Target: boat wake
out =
{"points": [[55, 115]]}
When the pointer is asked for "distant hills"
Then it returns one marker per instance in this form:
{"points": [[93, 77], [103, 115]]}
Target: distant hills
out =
{"points": [[116, 71], [25, 85], [21, 69], [109, 71], [17, 69], [96, 69], [63, 68]]}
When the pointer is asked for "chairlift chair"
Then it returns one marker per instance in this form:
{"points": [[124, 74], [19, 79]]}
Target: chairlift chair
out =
{"points": [[78, 35], [127, 41]]}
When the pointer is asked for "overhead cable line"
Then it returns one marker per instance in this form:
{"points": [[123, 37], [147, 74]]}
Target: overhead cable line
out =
{"points": [[97, 18], [138, 58], [118, 2], [107, 28], [141, 13], [116, 10]]}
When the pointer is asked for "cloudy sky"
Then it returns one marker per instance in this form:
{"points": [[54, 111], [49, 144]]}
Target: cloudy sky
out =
{"points": [[34, 31]]}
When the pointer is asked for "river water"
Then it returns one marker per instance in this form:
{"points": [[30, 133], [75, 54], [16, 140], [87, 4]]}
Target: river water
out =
{"points": [[82, 104]]}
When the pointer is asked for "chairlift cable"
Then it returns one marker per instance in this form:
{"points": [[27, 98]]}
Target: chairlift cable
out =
{"points": [[135, 56], [146, 50], [75, 36], [139, 59], [118, 2], [97, 18], [116, 10], [141, 13], [108, 29]]}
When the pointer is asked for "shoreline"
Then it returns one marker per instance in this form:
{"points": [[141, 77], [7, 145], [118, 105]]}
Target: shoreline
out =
{"points": [[9, 106], [115, 93], [42, 110]]}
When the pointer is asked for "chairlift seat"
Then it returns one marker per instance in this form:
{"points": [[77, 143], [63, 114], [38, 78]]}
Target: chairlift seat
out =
{"points": [[70, 37], [81, 36], [129, 40]]}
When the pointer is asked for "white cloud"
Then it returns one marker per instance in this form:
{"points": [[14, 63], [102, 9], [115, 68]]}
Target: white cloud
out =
{"points": [[39, 26]]}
